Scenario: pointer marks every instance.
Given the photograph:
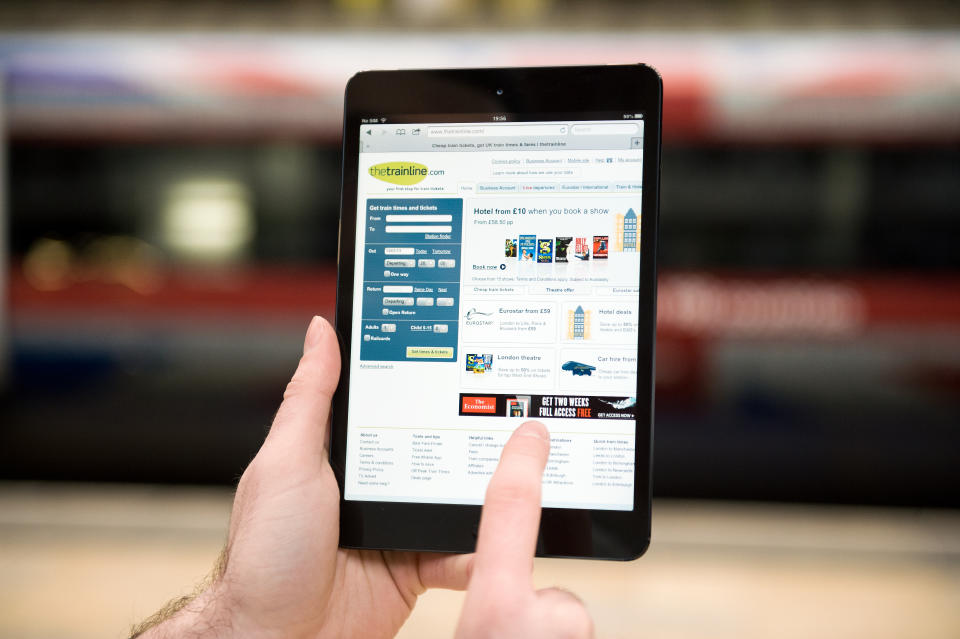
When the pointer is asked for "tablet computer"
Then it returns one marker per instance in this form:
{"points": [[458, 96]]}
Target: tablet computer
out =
{"points": [[497, 264]]}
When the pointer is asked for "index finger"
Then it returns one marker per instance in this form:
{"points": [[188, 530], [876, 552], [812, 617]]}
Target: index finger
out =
{"points": [[511, 511]]}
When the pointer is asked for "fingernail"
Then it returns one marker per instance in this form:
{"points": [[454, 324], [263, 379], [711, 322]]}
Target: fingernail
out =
{"points": [[534, 429], [314, 332]]}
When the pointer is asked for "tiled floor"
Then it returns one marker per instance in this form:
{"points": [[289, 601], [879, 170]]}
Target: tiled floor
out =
{"points": [[86, 561]]}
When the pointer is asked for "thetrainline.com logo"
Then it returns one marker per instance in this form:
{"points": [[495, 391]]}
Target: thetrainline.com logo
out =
{"points": [[404, 173]]}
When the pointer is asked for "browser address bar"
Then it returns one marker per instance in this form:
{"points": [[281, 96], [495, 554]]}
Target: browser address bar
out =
{"points": [[500, 130]]}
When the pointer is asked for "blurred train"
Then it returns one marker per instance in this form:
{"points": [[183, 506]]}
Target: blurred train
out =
{"points": [[172, 208]]}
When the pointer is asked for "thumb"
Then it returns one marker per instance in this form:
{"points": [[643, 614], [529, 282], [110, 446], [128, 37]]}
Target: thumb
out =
{"points": [[303, 419]]}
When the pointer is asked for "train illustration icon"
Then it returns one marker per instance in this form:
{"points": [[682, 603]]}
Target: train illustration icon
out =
{"points": [[473, 312], [578, 368]]}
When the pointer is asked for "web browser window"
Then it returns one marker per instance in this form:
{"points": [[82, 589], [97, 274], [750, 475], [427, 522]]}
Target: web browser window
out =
{"points": [[497, 280]]}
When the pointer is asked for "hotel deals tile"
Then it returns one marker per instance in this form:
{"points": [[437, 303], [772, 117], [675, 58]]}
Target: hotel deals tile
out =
{"points": [[404, 173]]}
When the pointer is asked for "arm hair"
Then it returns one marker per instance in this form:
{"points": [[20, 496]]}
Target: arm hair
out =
{"points": [[175, 605]]}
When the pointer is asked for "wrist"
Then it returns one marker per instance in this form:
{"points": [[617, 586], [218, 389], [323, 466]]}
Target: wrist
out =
{"points": [[205, 616]]}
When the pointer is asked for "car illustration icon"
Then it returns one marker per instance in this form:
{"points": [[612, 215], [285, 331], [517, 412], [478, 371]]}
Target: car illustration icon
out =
{"points": [[578, 368]]}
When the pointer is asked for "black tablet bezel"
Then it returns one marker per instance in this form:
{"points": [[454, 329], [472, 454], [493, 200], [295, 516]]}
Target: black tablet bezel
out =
{"points": [[564, 532]]}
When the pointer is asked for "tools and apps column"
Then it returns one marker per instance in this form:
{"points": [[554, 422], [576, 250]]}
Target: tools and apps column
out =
{"points": [[411, 279]]}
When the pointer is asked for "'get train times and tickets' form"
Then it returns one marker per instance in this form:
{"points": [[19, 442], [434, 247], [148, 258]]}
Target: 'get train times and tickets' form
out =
{"points": [[497, 280]]}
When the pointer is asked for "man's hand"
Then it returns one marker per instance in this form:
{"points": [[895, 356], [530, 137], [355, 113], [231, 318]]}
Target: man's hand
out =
{"points": [[283, 575], [501, 601]]}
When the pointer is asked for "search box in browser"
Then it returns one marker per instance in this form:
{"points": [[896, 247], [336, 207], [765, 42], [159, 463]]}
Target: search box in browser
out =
{"points": [[606, 128]]}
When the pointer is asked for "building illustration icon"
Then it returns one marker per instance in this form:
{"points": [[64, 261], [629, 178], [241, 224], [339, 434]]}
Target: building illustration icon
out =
{"points": [[626, 234], [578, 324]]}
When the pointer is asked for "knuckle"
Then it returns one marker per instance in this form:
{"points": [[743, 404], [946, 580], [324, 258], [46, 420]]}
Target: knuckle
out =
{"points": [[568, 614], [582, 622], [297, 384], [573, 620]]}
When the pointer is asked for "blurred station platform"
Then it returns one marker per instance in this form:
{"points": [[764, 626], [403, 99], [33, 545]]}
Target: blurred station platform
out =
{"points": [[88, 560], [809, 315]]}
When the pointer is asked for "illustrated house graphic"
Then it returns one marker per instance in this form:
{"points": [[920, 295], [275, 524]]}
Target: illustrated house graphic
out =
{"points": [[578, 324]]}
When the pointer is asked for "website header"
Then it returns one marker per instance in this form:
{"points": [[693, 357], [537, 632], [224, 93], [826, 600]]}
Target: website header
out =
{"points": [[506, 136]]}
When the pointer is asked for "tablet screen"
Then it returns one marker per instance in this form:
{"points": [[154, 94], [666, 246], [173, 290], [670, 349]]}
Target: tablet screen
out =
{"points": [[496, 280]]}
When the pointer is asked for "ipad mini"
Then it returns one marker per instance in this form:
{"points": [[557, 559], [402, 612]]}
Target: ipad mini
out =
{"points": [[497, 264]]}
